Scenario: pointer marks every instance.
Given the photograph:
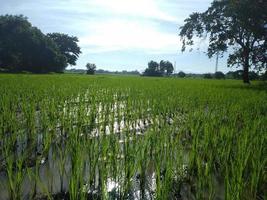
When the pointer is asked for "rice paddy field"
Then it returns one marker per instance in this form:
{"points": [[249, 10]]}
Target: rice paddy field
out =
{"points": [[109, 137]]}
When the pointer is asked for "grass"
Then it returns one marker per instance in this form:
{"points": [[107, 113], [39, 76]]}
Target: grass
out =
{"points": [[117, 137]]}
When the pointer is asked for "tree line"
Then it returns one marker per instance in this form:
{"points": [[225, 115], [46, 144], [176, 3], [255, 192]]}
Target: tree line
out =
{"points": [[163, 68], [238, 75], [24, 47]]}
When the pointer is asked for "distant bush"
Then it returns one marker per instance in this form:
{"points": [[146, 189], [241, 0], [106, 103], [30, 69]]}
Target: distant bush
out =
{"points": [[219, 75], [238, 74], [253, 75], [264, 76], [181, 74], [207, 76], [234, 74]]}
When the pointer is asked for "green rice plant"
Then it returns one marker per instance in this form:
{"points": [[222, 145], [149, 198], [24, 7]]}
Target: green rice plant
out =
{"points": [[205, 135], [15, 172], [43, 187], [77, 163]]}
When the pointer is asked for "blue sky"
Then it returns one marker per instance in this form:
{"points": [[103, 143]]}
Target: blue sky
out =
{"points": [[121, 34]]}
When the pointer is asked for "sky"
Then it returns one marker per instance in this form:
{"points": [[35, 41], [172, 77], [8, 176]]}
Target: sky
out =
{"points": [[121, 34]]}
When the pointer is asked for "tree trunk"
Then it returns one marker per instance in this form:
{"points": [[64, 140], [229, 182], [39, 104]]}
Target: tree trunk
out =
{"points": [[245, 74], [246, 67]]}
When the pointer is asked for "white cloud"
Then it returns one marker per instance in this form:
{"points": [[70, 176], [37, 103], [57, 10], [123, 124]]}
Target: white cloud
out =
{"points": [[137, 8], [120, 30], [119, 34], [111, 25]]}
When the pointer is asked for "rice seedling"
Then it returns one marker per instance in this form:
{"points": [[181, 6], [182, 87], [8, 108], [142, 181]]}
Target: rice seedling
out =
{"points": [[80, 137]]}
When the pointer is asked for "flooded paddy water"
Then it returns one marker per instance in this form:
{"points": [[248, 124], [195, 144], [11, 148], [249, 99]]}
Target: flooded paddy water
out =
{"points": [[53, 171]]}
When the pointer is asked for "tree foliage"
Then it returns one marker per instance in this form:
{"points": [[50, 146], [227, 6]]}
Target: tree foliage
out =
{"points": [[264, 76], [24, 47], [181, 74], [219, 75], [153, 69], [159, 69], [236, 26], [67, 45], [207, 76], [170, 69], [238, 74], [91, 68]]}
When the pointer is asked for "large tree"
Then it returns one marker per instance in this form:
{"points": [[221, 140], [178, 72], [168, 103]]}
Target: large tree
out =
{"points": [[67, 45], [238, 27], [25, 48]]}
